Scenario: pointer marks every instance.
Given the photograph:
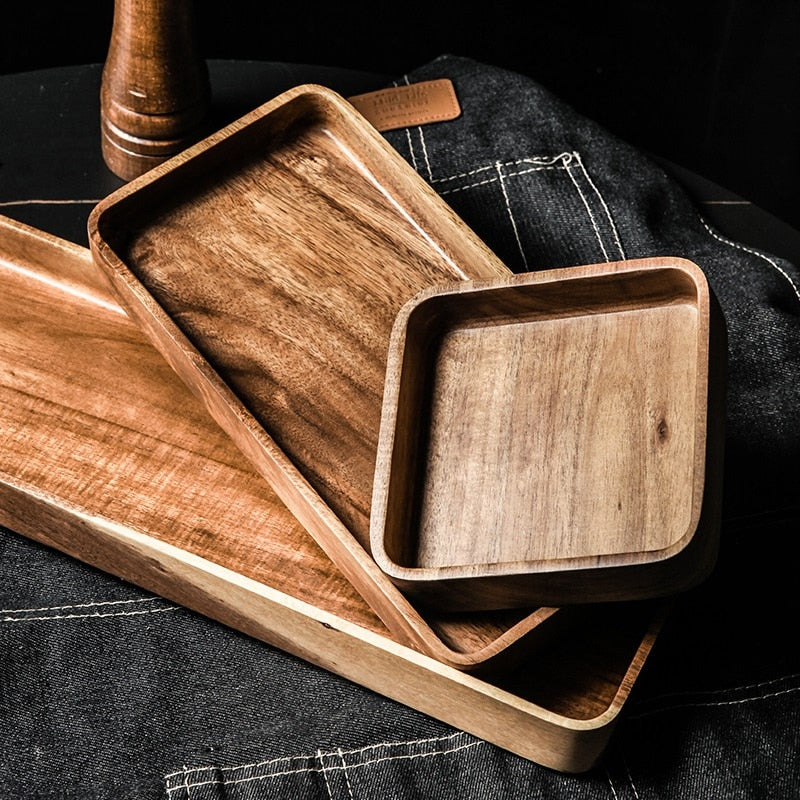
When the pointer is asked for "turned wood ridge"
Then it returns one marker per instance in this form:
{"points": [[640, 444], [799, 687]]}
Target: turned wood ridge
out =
{"points": [[155, 89]]}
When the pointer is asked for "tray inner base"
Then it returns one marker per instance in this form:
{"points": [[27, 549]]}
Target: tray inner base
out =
{"points": [[554, 425]]}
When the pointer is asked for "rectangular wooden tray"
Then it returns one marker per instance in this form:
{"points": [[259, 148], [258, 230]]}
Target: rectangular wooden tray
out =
{"points": [[106, 456], [545, 438], [267, 264]]}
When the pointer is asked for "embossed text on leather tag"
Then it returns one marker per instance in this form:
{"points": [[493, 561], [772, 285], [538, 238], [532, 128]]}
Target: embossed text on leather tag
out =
{"points": [[403, 106]]}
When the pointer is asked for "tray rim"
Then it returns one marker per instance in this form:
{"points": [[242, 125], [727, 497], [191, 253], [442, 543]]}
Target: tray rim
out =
{"points": [[230, 412], [413, 578]]}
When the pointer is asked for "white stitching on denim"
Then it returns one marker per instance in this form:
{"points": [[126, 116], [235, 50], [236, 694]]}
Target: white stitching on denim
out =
{"points": [[541, 161], [367, 748], [602, 201], [96, 615], [425, 153], [406, 742], [184, 785], [241, 766], [540, 168], [499, 168], [324, 773], [469, 186], [630, 777], [92, 604], [404, 757], [346, 776], [421, 139], [396, 85], [467, 174], [588, 210], [408, 136], [611, 785], [743, 688], [494, 180], [411, 149], [753, 252], [717, 704]]}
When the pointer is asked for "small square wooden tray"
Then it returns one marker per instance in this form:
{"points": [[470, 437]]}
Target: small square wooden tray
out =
{"points": [[267, 264], [105, 455], [544, 438]]}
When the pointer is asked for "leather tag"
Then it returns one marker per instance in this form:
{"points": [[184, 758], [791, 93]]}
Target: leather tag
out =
{"points": [[405, 106]]}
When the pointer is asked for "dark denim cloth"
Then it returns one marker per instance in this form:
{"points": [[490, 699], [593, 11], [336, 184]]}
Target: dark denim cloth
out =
{"points": [[108, 692]]}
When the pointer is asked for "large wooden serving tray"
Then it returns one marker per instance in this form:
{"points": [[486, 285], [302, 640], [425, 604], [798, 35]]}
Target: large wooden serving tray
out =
{"points": [[106, 456], [546, 440], [267, 264]]}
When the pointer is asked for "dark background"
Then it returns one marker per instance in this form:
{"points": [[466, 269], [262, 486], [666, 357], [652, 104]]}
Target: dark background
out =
{"points": [[713, 86]]}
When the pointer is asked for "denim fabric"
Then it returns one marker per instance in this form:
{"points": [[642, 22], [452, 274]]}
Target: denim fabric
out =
{"points": [[109, 692]]}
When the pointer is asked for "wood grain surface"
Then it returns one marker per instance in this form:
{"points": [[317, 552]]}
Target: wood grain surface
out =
{"points": [[547, 434], [267, 264], [101, 386], [105, 455]]}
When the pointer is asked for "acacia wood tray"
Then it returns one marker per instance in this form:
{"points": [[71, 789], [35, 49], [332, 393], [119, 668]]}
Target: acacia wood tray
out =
{"points": [[267, 264], [553, 438], [106, 456]]}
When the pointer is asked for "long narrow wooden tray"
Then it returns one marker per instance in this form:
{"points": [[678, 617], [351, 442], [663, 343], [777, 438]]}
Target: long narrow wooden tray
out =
{"points": [[267, 264], [106, 456]]}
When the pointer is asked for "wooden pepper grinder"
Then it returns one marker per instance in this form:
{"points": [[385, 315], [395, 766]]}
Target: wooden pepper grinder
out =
{"points": [[155, 89]]}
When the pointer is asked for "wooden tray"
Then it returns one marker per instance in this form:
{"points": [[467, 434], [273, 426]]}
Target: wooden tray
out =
{"points": [[544, 438], [267, 264], [106, 456]]}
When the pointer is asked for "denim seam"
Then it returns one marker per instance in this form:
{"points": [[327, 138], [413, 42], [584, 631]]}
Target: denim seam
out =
{"points": [[425, 152], [91, 604], [622, 776], [411, 152], [346, 775], [629, 776], [411, 149], [545, 162], [367, 748], [715, 704], [611, 785], [92, 616], [421, 140], [495, 179], [600, 197], [185, 785], [588, 210], [744, 688], [753, 252], [321, 759], [499, 168], [412, 756]]}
